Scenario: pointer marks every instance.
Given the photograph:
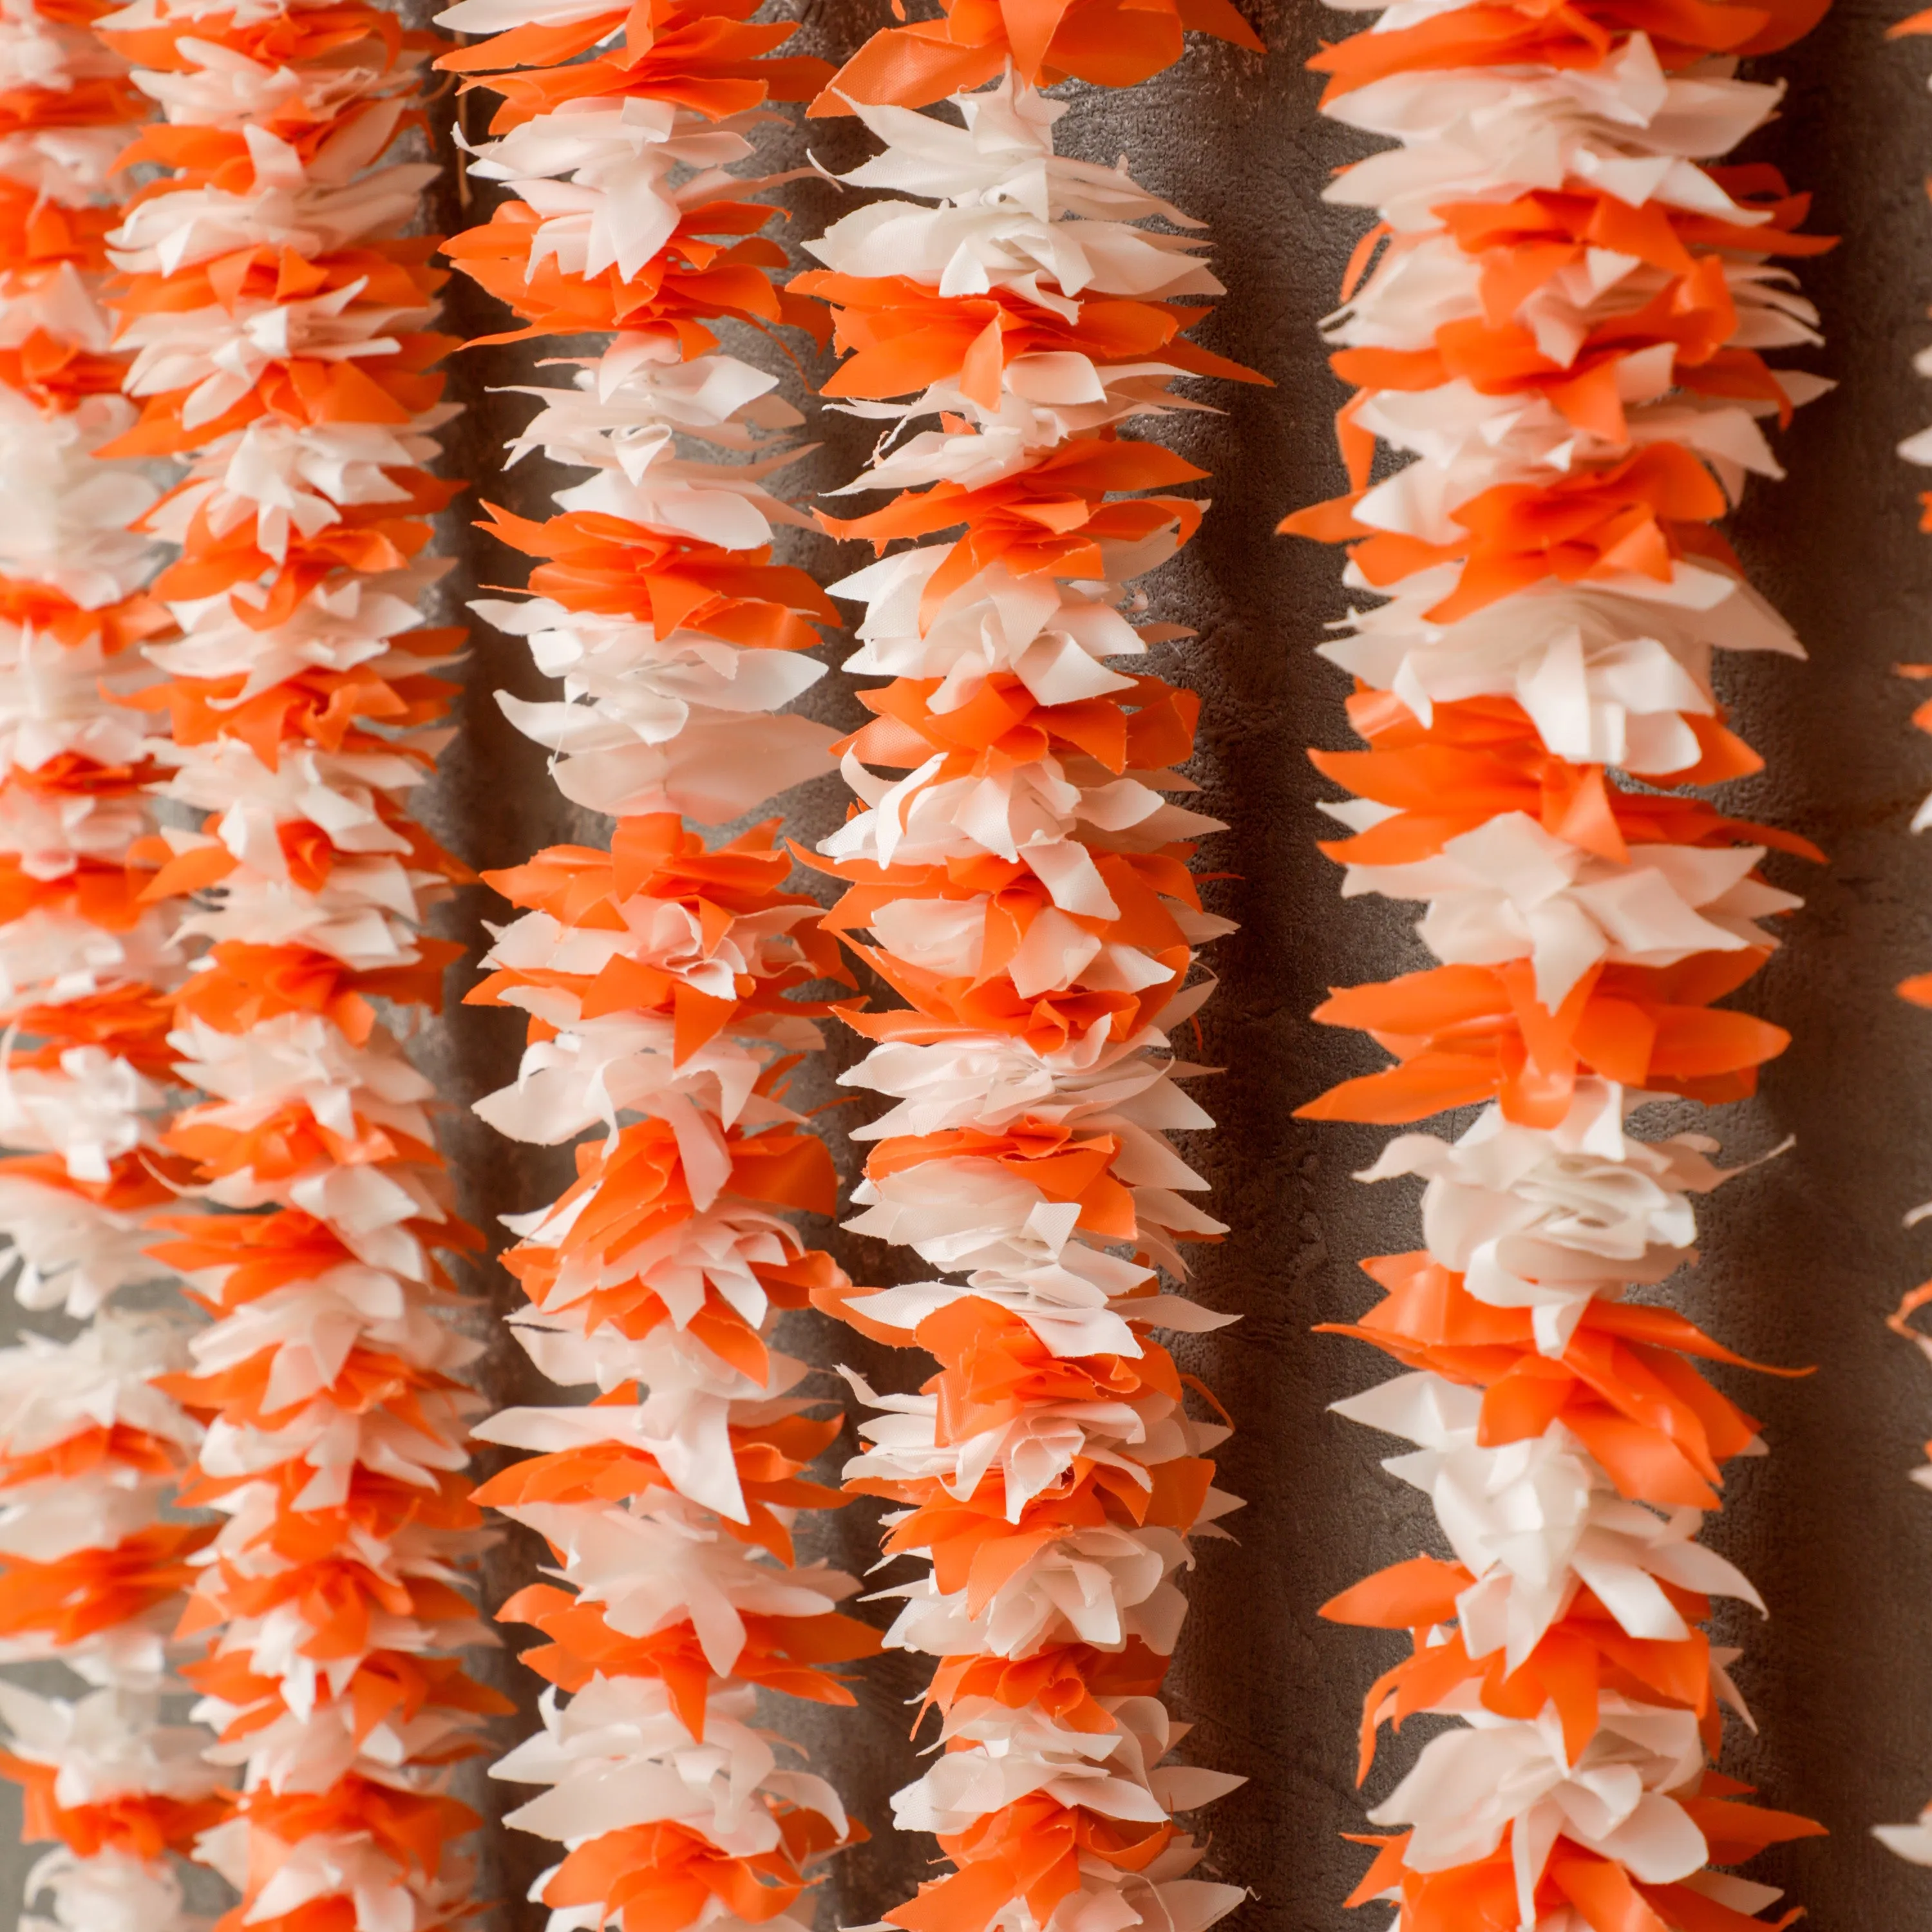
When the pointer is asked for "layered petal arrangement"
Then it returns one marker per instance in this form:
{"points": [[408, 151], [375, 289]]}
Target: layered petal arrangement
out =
{"points": [[1016, 870], [93, 1573], [1914, 1841], [660, 977], [279, 327], [973, 42], [1558, 328]]}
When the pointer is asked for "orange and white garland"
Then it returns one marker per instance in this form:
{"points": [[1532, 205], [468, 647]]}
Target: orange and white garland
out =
{"points": [[658, 975], [1559, 323], [279, 325], [1019, 861], [92, 1573]]}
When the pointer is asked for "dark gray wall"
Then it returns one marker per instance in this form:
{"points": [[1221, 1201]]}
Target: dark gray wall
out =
{"points": [[1804, 1256]]}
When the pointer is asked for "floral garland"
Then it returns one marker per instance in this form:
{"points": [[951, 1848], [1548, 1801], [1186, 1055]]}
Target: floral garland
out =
{"points": [[1026, 889], [1559, 316], [91, 1574], [1914, 1841], [658, 975], [280, 331]]}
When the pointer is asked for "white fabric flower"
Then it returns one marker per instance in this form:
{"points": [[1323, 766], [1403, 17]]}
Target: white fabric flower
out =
{"points": [[1533, 1520]]}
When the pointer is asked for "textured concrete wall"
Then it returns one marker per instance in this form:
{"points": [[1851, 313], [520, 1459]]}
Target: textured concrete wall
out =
{"points": [[1804, 1255]]}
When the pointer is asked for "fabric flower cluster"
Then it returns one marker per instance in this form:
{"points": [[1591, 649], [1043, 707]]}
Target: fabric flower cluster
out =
{"points": [[661, 978], [278, 327], [1016, 870], [93, 1567]]}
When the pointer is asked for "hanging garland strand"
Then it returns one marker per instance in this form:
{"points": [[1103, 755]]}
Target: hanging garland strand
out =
{"points": [[1559, 318], [91, 1574], [658, 977], [282, 347], [1914, 1841], [1026, 889]]}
